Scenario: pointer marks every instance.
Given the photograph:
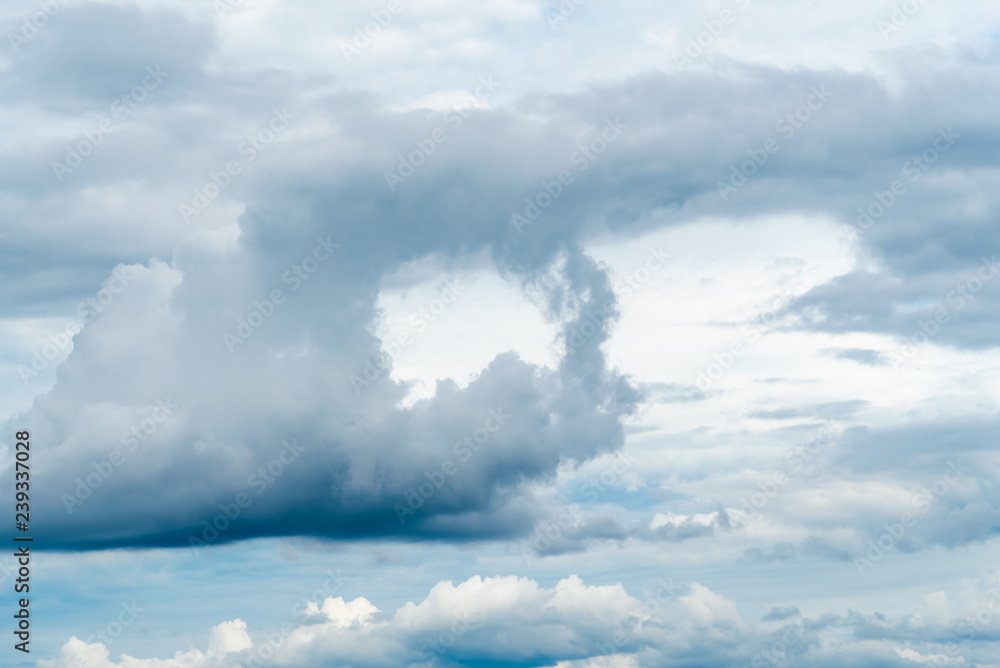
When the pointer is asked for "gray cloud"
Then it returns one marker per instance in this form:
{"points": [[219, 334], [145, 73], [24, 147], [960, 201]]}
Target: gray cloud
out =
{"points": [[668, 160], [835, 410], [861, 356]]}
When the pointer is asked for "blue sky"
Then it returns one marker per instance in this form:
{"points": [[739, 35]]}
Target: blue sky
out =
{"points": [[520, 334]]}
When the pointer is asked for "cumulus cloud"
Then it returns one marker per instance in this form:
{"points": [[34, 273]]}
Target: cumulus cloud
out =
{"points": [[498, 620], [523, 421], [508, 621], [312, 344], [236, 384]]}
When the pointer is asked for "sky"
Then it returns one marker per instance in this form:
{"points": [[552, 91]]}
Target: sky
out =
{"points": [[512, 334]]}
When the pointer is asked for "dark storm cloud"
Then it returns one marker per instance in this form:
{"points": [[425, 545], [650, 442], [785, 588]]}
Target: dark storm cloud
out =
{"points": [[667, 159], [679, 136]]}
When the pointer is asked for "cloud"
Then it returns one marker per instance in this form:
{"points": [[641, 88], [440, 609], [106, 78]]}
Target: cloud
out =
{"points": [[512, 621], [780, 614], [835, 410], [239, 387], [669, 393], [861, 356], [516, 422], [348, 485], [501, 621]]}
